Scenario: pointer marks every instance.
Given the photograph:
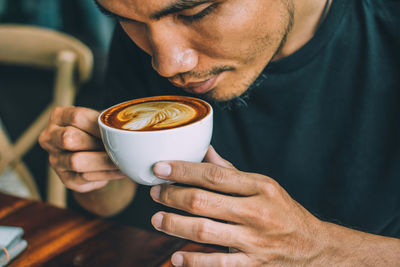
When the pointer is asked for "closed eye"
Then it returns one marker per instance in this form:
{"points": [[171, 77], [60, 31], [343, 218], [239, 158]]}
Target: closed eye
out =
{"points": [[197, 13]]}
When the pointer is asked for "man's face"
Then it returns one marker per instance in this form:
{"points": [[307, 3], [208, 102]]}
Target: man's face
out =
{"points": [[215, 48]]}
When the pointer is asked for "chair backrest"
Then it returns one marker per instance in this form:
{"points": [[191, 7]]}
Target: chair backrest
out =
{"points": [[34, 46], [73, 62]]}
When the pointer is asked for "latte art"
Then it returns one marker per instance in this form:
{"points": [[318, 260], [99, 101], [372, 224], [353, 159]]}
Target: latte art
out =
{"points": [[138, 133], [156, 115]]}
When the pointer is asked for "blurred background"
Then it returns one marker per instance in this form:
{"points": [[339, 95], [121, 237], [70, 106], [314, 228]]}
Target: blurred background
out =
{"points": [[25, 91]]}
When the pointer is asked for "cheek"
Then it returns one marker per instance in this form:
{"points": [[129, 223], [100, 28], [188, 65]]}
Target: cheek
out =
{"points": [[239, 29], [137, 32]]}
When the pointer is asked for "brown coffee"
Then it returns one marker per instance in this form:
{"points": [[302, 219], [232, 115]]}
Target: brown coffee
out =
{"points": [[155, 113]]}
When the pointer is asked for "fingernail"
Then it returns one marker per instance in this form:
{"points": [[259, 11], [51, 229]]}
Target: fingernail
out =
{"points": [[155, 192], [162, 169], [157, 220], [177, 259]]}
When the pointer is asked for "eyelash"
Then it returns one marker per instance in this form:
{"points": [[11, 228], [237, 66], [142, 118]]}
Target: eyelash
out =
{"points": [[200, 15]]}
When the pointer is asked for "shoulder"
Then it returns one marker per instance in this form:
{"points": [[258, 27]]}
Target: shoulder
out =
{"points": [[387, 10], [382, 17]]}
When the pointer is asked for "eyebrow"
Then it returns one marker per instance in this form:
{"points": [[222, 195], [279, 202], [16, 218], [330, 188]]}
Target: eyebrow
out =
{"points": [[175, 7], [178, 6]]}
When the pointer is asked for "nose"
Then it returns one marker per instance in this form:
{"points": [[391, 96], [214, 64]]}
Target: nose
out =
{"points": [[171, 52]]}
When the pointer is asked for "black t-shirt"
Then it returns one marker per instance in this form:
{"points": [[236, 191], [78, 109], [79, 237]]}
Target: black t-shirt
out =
{"points": [[324, 122]]}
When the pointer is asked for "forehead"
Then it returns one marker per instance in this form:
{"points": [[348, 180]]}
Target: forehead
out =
{"points": [[137, 8]]}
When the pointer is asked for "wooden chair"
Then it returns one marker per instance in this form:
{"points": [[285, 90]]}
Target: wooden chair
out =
{"points": [[72, 61]]}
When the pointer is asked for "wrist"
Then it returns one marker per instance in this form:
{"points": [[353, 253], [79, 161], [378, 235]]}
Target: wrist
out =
{"points": [[109, 200], [347, 247]]}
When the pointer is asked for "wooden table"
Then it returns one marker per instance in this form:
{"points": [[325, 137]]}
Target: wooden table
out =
{"points": [[62, 237]]}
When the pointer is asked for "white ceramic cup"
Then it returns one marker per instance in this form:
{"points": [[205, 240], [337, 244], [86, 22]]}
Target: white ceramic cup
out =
{"points": [[135, 152]]}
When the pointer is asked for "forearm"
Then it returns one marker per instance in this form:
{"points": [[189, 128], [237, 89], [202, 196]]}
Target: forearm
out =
{"points": [[109, 200], [349, 247]]}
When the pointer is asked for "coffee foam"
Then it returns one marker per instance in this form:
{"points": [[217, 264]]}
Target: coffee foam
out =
{"points": [[155, 115]]}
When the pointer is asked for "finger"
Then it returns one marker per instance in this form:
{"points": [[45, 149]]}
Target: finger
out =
{"points": [[73, 139], [199, 202], [82, 161], [182, 258], [46, 139], [79, 117], [213, 157], [102, 176], [199, 229], [210, 176], [76, 182]]}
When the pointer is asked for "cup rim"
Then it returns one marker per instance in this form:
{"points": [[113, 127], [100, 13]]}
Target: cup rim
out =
{"points": [[103, 125]]}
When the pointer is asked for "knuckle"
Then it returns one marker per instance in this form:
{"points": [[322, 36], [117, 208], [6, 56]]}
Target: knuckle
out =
{"points": [[203, 231], [53, 160], [75, 116], [230, 165], [55, 113], [168, 222], [180, 170], [45, 138], [256, 242], [215, 175], [75, 187], [270, 188], [69, 184], [42, 139], [86, 176], [259, 216], [73, 182], [194, 261], [67, 180], [198, 201], [164, 196], [68, 138], [260, 242], [76, 161]]}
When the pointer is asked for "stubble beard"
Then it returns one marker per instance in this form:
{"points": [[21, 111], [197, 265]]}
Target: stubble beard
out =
{"points": [[256, 79]]}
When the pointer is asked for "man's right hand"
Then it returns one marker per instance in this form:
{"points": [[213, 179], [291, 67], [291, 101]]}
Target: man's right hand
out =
{"points": [[76, 152]]}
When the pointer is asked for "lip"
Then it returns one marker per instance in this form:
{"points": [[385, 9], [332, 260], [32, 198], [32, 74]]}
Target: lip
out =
{"points": [[199, 87]]}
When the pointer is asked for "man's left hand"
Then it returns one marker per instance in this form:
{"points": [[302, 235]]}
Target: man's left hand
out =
{"points": [[262, 221], [249, 212]]}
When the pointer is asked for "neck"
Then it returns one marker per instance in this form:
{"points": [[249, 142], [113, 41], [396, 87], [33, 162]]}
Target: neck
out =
{"points": [[306, 18]]}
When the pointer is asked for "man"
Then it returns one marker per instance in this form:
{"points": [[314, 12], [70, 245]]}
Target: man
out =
{"points": [[321, 120]]}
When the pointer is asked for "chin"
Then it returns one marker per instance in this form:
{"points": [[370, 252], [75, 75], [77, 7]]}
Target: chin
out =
{"points": [[215, 96], [223, 94], [226, 100]]}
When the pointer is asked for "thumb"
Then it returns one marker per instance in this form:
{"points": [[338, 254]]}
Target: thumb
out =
{"points": [[213, 157]]}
